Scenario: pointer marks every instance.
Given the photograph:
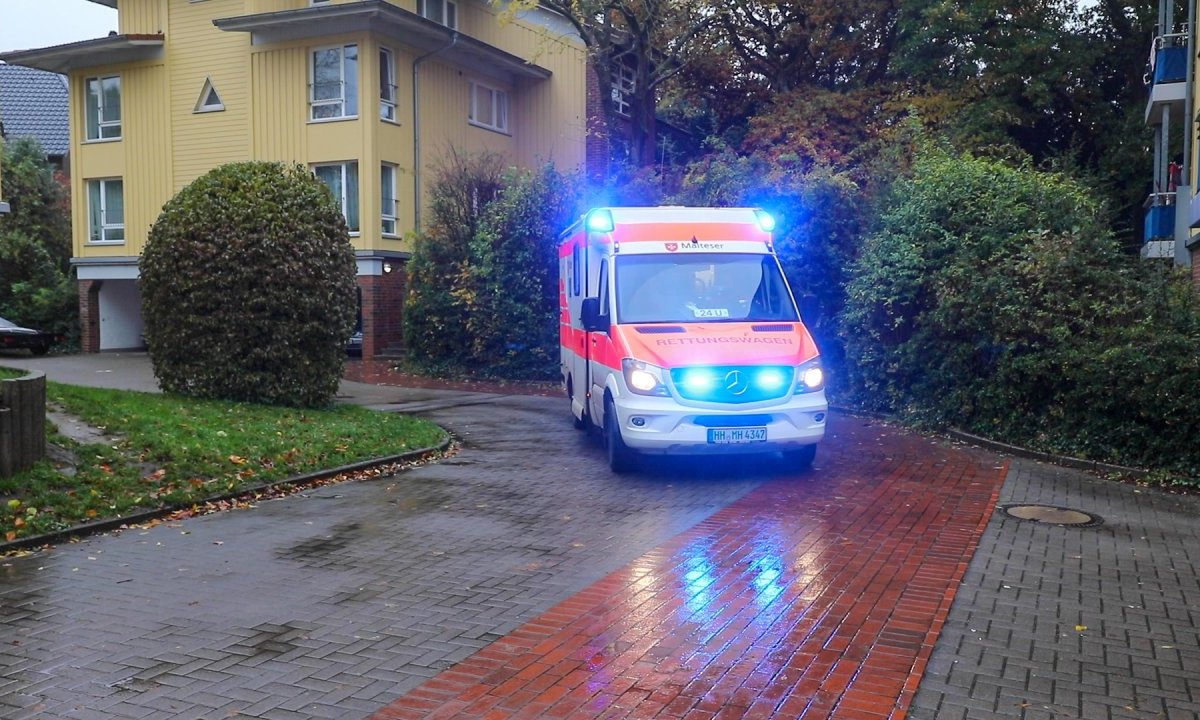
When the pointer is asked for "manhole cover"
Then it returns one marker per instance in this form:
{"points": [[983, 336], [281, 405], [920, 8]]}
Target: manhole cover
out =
{"points": [[1052, 515]]}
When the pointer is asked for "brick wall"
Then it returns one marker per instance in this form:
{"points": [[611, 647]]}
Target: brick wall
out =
{"points": [[89, 315], [383, 309]]}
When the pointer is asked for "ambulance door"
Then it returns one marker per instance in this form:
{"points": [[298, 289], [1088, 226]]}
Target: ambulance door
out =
{"points": [[576, 354], [599, 341]]}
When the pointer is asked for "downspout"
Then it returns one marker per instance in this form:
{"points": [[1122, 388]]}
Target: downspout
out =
{"points": [[1183, 254], [416, 106]]}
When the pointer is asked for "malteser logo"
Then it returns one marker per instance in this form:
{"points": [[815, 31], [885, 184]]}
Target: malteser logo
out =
{"points": [[672, 247]]}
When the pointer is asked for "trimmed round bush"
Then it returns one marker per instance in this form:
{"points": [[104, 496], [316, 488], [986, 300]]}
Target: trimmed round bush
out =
{"points": [[248, 288]]}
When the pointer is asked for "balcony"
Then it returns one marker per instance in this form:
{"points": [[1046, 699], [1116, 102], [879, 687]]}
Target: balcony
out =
{"points": [[1165, 75], [1160, 216]]}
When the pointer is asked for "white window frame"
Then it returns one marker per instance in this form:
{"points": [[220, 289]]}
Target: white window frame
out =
{"points": [[448, 15], [102, 125], [102, 233], [389, 206], [387, 85], [495, 115], [343, 198], [202, 105], [623, 85], [346, 106]]}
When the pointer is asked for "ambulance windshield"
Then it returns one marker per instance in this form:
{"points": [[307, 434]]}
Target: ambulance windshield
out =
{"points": [[702, 287]]}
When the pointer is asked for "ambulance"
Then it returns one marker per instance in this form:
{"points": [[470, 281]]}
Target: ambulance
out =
{"points": [[679, 335]]}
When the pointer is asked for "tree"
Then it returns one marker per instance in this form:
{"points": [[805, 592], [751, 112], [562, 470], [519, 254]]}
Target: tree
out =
{"points": [[439, 297], [1057, 80], [35, 243], [248, 287], [652, 39]]}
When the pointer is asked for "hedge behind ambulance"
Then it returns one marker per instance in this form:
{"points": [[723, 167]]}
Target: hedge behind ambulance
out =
{"points": [[679, 335]]}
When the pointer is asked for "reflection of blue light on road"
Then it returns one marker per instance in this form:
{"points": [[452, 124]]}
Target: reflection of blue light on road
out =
{"points": [[699, 577], [769, 565]]}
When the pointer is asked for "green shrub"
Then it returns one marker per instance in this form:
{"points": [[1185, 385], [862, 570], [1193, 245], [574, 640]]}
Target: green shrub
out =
{"points": [[248, 287], [483, 280], [992, 299], [435, 310], [513, 320]]}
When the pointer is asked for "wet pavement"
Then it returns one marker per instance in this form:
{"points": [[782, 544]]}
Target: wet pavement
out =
{"points": [[519, 578]]}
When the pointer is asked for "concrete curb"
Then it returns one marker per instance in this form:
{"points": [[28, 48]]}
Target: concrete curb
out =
{"points": [[297, 481], [1063, 460]]}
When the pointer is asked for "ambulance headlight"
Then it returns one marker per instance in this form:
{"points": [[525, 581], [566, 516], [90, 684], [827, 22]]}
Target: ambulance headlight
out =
{"points": [[810, 377], [643, 378]]}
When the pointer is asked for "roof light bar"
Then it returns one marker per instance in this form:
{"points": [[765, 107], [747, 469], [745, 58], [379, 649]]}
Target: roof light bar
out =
{"points": [[766, 222]]}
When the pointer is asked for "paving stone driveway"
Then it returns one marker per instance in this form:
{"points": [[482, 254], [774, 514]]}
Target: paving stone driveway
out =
{"points": [[334, 603], [355, 598]]}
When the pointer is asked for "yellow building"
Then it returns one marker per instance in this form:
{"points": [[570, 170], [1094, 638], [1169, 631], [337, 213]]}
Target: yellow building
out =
{"points": [[370, 94]]}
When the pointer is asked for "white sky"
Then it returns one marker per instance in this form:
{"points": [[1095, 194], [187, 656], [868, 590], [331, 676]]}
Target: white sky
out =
{"points": [[28, 24]]}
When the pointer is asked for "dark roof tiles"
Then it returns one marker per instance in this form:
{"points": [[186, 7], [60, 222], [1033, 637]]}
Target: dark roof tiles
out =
{"points": [[33, 103]]}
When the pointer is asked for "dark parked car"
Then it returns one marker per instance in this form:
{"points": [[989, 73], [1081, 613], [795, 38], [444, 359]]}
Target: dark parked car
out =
{"points": [[13, 337], [354, 344]]}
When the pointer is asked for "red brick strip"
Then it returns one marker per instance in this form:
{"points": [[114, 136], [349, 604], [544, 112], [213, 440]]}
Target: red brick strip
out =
{"points": [[805, 599]]}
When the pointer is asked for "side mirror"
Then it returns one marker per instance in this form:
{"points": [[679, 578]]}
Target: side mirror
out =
{"points": [[593, 321], [810, 309]]}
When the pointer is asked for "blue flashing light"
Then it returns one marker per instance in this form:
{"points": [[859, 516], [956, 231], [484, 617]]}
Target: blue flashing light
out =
{"points": [[600, 221], [766, 221], [771, 380], [698, 382]]}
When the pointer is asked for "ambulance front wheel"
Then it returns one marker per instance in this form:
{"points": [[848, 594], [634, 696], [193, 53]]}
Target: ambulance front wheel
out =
{"points": [[620, 457], [801, 458]]}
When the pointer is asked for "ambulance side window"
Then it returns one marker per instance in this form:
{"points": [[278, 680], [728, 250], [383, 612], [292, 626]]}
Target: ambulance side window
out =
{"points": [[575, 270], [604, 288]]}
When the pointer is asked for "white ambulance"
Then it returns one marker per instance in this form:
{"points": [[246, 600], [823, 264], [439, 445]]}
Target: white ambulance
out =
{"points": [[680, 335]]}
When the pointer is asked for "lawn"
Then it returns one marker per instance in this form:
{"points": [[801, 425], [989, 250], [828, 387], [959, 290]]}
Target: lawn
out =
{"points": [[171, 452]]}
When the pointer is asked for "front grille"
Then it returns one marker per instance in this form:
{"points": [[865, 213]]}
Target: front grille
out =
{"points": [[734, 384]]}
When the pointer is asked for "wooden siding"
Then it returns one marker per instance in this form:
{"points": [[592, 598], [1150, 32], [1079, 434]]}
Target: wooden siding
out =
{"points": [[142, 17], [279, 104], [198, 51], [264, 90], [141, 158]]}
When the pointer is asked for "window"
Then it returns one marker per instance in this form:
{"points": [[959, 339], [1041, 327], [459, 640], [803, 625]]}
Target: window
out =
{"points": [[106, 211], [209, 100], [104, 108], [387, 85], [335, 82], [388, 204], [342, 181], [622, 88], [439, 11], [488, 107]]}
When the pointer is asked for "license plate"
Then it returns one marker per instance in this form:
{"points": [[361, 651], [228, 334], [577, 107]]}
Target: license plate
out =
{"points": [[731, 436]]}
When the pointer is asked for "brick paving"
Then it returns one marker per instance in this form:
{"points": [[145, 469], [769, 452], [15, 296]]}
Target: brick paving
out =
{"points": [[803, 599], [520, 579]]}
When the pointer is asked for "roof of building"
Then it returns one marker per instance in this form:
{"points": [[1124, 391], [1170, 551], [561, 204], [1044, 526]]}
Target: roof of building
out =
{"points": [[33, 103]]}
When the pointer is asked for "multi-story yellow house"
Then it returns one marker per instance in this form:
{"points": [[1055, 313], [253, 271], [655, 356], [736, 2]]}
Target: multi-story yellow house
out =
{"points": [[370, 94]]}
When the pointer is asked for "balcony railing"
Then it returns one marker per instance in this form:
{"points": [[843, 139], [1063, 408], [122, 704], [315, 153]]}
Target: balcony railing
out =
{"points": [[1168, 59], [1160, 216]]}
